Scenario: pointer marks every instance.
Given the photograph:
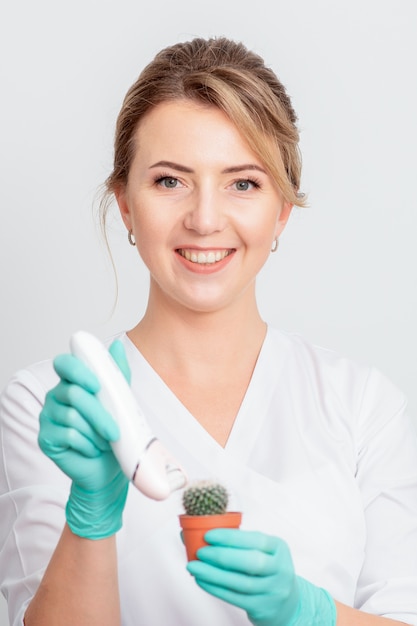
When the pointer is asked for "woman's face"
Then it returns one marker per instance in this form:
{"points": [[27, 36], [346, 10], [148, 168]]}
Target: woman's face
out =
{"points": [[203, 210]]}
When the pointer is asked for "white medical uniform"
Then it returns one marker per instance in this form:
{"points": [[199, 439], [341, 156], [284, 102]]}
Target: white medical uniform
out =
{"points": [[321, 454]]}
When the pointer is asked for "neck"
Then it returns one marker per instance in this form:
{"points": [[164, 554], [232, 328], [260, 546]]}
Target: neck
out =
{"points": [[206, 359], [178, 337]]}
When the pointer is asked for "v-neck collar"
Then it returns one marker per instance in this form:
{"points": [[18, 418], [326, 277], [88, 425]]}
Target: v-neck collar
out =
{"points": [[153, 393], [254, 408]]}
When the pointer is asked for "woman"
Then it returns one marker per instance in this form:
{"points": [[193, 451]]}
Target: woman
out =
{"points": [[315, 450]]}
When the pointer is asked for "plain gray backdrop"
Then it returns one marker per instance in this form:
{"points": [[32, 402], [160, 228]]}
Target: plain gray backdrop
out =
{"points": [[345, 272]]}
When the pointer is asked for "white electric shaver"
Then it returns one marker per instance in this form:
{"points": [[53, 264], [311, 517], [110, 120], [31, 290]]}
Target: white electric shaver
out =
{"points": [[142, 457]]}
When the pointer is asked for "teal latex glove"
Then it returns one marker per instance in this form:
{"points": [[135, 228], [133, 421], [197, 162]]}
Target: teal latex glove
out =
{"points": [[254, 571], [75, 432]]}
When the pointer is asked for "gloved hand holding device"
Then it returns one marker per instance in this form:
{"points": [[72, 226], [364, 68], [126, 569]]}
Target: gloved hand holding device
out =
{"points": [[255, 572], [75, 432], [94, 430]]}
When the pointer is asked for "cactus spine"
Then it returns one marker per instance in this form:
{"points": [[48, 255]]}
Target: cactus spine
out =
{"points": [[205, 498]]}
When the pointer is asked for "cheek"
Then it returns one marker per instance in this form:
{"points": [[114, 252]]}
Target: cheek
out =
{"points": [[152, 234], [147, 223], [260, 228]]}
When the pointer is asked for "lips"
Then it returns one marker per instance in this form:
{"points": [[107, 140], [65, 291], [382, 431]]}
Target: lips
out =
{"points": [[208, 257]]}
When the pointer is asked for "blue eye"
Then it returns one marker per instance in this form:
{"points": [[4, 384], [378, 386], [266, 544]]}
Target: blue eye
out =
{"points": [[246, 185], [169, 182]]}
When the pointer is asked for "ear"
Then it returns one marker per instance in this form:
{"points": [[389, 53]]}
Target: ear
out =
{"points": [[123, 203], [283, 217]]}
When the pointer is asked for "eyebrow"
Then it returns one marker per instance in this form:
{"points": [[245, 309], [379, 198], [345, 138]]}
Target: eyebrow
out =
{"points": [[228, 170], [170, 164], [241, 168]]}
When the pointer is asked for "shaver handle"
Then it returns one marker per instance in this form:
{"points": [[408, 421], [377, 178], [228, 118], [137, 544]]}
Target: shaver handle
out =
{"points": [[142, 457]]}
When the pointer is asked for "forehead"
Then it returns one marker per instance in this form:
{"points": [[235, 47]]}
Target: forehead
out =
{"points": [[191, 130], [181, 109]]}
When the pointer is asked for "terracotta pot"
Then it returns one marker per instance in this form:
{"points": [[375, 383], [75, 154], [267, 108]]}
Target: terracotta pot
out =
{"points": [[194, 528]]}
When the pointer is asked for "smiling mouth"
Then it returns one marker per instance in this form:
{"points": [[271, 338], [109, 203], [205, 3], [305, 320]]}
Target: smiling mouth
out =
{"points": [[204, 258]]}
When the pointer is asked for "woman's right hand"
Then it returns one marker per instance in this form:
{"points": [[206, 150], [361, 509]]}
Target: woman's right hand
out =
{"points": [[75, 432]]}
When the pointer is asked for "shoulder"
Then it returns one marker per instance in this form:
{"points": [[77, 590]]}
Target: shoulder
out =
{"points": [[29, 385], [324, 361], [32, 381], [316, 360], [362, 388], [120, 336]]}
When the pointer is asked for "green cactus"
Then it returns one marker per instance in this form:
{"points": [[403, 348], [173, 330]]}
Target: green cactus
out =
{"points": [[205, 498]]}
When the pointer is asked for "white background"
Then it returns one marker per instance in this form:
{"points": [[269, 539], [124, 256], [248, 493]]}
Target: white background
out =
{"points": [[345, 272]]}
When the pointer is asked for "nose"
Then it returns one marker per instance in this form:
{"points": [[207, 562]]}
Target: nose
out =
{"points": [[205, 214]]}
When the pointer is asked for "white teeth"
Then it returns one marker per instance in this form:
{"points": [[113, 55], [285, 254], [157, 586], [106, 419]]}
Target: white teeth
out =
{"points": [[203, 258]]}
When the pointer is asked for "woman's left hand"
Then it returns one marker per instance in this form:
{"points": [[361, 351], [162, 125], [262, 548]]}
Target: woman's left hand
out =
{"points": [[254, 571]]}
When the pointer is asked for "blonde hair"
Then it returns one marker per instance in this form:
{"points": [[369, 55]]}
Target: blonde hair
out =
{"points": [[225, 74]]}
